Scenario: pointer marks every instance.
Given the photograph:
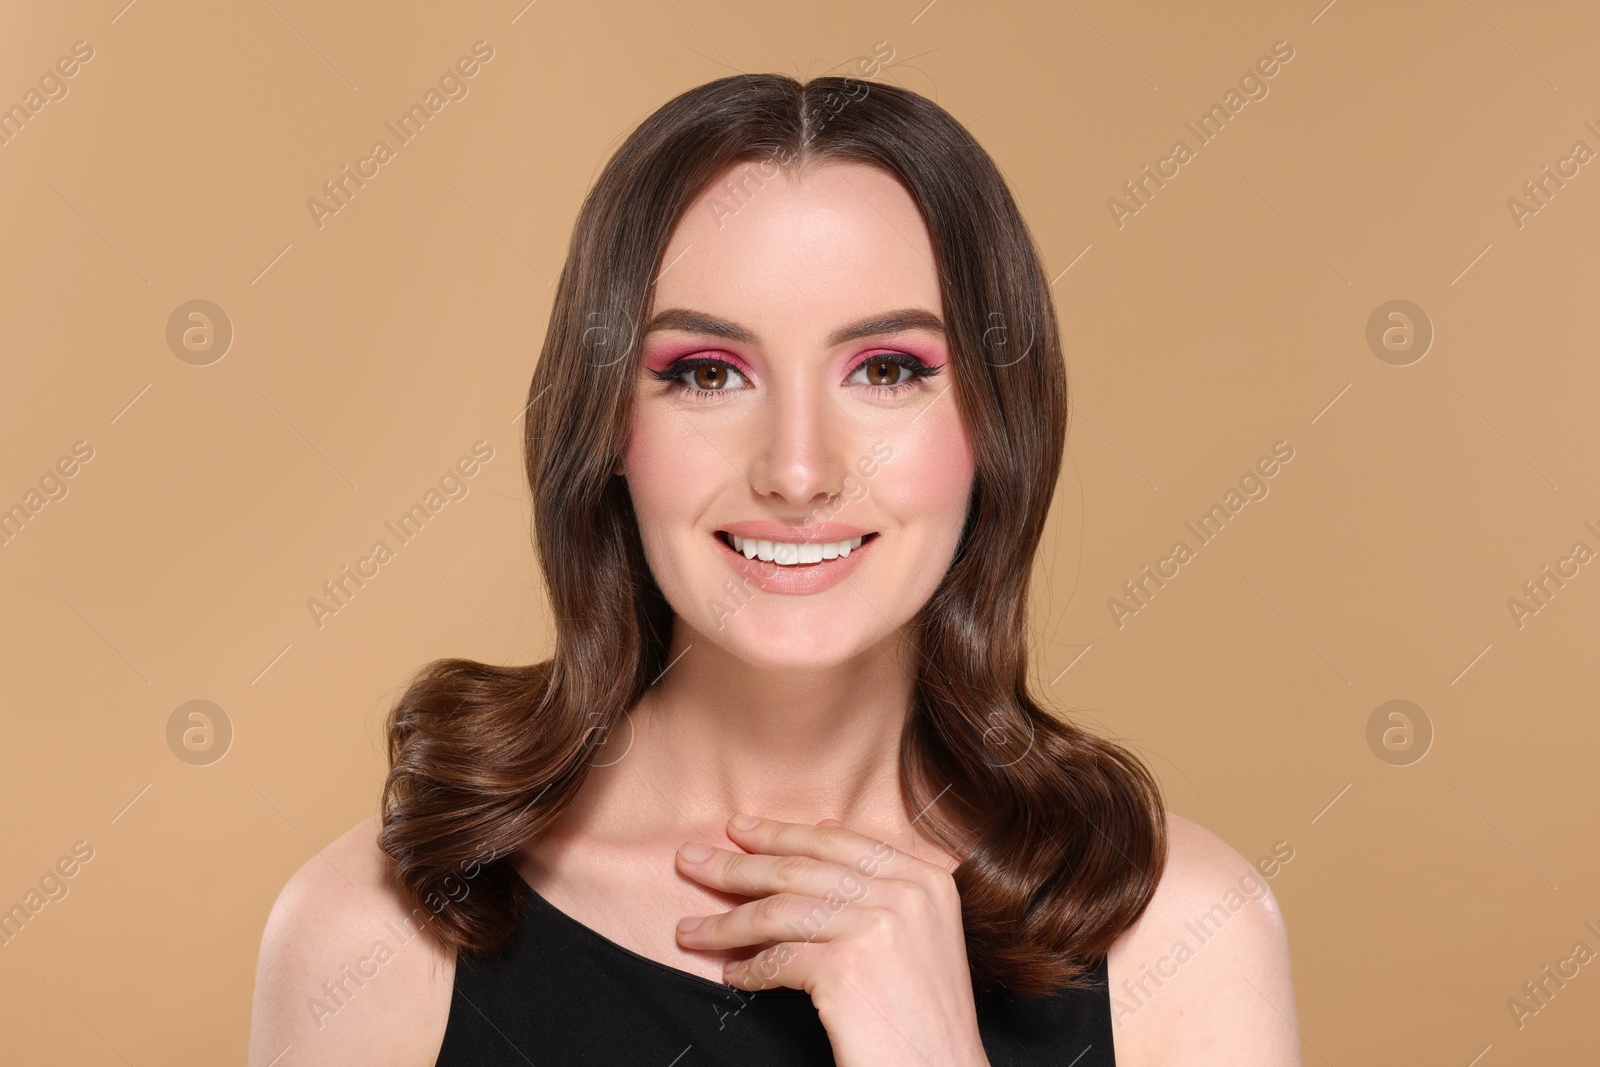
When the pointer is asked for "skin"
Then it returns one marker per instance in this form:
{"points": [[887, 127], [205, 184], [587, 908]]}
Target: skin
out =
{"points": [[785, 707]]}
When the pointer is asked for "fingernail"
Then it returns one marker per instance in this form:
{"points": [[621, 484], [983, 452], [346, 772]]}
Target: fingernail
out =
{"points": [[744, 822], [695, 852], [689, 923]]}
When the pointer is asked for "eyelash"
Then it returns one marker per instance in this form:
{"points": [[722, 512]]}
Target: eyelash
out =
{"points": [[915, 368]]}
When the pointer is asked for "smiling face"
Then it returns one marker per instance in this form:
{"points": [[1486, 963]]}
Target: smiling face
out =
{"points": [[796, 459]]}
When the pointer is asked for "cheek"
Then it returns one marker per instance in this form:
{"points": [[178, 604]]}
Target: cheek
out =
{"points": [[662, 463], [672, 477], [932, 476]]}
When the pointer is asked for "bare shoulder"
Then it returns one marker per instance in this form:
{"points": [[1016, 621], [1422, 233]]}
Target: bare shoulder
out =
{"points": [[1203, 977], [347, 973]]}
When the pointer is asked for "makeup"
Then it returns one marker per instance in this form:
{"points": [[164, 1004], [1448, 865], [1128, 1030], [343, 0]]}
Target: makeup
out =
{"points": [[801, 559]]}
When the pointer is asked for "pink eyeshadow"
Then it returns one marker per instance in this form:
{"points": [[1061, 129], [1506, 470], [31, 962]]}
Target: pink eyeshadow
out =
{"points": [[666, 357], [931, 357]]}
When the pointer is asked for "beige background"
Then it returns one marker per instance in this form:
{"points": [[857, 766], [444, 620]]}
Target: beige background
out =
{"points": [[1228, 314]]}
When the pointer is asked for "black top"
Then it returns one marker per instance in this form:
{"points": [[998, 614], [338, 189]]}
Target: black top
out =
{"points": [[562, 994]]}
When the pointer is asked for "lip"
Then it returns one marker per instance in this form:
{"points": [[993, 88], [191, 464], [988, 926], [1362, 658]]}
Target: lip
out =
{"points": [[801, 579], [796, 533]]}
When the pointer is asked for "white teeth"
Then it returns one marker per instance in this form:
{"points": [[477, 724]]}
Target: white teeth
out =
{"points": [[788, 554]]}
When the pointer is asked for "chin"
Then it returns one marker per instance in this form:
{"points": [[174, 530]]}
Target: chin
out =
{"points": [[807, 640]]}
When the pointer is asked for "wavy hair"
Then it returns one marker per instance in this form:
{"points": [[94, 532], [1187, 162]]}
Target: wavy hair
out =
{"points": [[1061, 835]]}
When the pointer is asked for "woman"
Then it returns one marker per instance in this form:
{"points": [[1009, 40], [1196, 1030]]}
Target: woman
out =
{"points": [[792, 440]]}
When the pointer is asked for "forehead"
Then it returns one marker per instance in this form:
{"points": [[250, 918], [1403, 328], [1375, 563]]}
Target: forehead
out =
{"points": [[799, 254]]}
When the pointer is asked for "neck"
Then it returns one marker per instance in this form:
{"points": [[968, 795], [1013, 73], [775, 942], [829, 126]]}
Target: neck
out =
{"points": [[716, 735]]}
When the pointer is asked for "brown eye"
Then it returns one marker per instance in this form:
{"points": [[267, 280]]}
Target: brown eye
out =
{"points": [[891, 372], [701, 376], [710, 376], [883, 372]]}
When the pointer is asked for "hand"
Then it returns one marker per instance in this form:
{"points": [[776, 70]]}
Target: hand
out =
{"points": [[874, 935]]}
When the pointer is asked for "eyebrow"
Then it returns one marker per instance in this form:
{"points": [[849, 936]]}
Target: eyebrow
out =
{"points": [[888, 322]]}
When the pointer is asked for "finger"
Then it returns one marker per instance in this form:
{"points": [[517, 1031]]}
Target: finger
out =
{"points": [[783, 964], [780, 917], [761, 875], [835, 844]]}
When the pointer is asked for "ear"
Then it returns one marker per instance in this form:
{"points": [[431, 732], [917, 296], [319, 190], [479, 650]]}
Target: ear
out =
{"points": [[616, 468]]}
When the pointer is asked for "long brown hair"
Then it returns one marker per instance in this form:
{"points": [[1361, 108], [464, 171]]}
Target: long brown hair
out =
{"points": [[1061, 834]]}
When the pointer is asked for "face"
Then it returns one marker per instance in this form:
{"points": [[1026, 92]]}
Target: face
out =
{"points": [[796, 459]]}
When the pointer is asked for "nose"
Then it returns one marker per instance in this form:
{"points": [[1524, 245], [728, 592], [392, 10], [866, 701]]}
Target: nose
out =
{"points": [[799, 460]]}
